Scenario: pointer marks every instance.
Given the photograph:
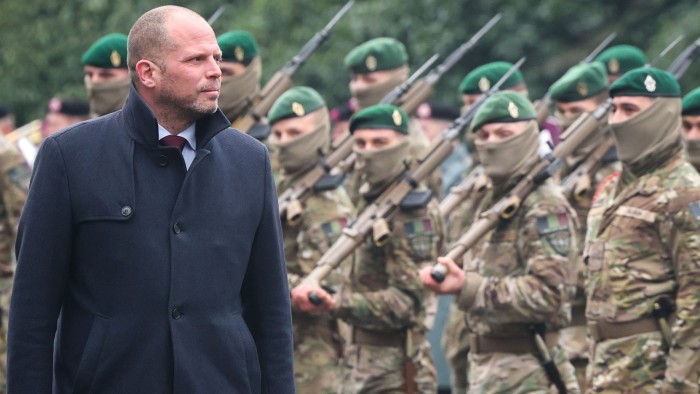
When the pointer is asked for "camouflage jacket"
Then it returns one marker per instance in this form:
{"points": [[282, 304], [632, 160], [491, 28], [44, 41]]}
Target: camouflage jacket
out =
{"points": [[519, 272], [382, 291], [643, 243], [14, 184]]}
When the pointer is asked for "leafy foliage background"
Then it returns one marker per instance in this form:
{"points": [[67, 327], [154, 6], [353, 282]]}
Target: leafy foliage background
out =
{"points": [[41, 41]]}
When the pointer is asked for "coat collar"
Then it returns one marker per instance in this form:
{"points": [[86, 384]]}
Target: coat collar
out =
{"points": [[142, 126]]}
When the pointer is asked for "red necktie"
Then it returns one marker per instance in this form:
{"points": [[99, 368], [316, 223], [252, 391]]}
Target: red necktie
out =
{"points": [[174, 140]]}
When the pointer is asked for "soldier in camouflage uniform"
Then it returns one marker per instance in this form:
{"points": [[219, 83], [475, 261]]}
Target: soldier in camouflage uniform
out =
{"points": [[300, 132], [106, 75], [582, 89], [241, 71], [377, 67], [619, 59], [14, 184], [515, 283], [382, 299], [691, 126], [455, 339], [643, 248]]}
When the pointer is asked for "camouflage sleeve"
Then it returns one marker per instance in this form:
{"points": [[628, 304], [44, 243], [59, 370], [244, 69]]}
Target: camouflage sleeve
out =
{"points": [[14, 183], [547, 247], [325, 216], [681, 231], [415, 242]]}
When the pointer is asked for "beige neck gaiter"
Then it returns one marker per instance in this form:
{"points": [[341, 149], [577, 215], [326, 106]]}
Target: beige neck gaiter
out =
{"points": [[302, 152], [379, 166], [109, 96], [653, 130], [692, 152], [509, 158], [372, 95], [238, 90]]}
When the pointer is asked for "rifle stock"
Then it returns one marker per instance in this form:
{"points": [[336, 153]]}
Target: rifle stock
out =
{"points": [[253, 122], [376, 215], [542, 107], [475, 182], [579, 182], [505, 208]]}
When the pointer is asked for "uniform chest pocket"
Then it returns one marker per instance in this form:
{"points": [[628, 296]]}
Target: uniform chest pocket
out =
{"points": [[499, 257], [105, 211]]}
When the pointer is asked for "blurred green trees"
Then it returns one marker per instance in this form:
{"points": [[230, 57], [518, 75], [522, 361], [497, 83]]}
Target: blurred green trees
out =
{"points": [[41, 42]]}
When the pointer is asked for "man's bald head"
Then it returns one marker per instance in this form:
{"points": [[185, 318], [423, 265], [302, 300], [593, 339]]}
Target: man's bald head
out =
{"points": [[150, 37]]}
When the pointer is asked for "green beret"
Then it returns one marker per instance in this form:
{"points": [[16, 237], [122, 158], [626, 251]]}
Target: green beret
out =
{"points": [[238, 46], [295, 103], [483, 77], [580, 82], [382, 116], [691, 103], [107, 52], [379, 54], [622, 58], [650, 82], [504, 107]]}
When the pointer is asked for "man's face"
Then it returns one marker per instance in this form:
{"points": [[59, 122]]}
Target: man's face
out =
{"points": [[229, 69], [95, 75], [468, 100], [433, 127], [691, 127], [576, 108], [625, 107], [495, 132], [55, 121], [286, 130], [374, 139], [190, 80], [360, 81]]}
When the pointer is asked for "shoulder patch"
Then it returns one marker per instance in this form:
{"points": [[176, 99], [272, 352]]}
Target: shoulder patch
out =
{"points": [[420, 234], [333, 228], [554, 229], [552, 223]]}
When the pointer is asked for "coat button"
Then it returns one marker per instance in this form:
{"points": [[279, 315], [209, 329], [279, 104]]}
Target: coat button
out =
{"points": [[126, 210], [163, 160], [176, 313], [176, 228]]}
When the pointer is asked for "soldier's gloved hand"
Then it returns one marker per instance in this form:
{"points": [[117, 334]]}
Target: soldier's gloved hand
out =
{"points": [[301, 299], [454, 279]]}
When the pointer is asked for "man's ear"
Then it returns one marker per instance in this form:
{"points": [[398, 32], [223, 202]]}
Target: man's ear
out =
{"points": [[148, 73]]}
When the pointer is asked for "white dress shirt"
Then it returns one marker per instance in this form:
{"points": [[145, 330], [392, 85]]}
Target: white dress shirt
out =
{"points": [[188, 152]]}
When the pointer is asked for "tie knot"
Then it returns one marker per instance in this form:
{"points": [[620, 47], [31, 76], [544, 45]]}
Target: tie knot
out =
{"points": [[174, 140]]}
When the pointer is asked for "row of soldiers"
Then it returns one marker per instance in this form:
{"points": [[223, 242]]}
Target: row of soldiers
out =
{"points": [[584, 273]]}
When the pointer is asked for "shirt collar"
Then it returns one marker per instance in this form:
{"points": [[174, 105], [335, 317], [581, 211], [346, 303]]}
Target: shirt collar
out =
{"points": [[187, 134]]}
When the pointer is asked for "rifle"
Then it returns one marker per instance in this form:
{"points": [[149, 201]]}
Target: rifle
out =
{"points": [[409, 100], [254, 122], [375, 216], [542, 106], [319, 177], [684, 60], [506, 207], [424, 88], [578, 183], [216, 15], [475, 182]]}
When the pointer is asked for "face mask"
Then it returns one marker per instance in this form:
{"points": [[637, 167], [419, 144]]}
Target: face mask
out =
{"points": [[565, 121], [381, 165], [692, 149], [302, 151], [509, 157], [237, 90], [650, 131], [372, 95], [109, 96]]}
